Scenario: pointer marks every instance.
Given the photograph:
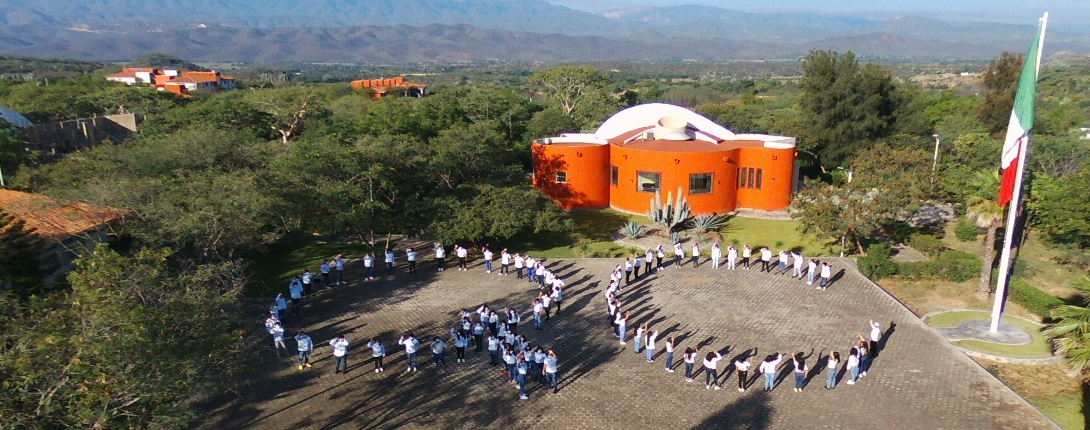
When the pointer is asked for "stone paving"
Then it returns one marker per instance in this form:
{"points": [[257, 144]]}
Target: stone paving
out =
{"points": [[918, 381]]}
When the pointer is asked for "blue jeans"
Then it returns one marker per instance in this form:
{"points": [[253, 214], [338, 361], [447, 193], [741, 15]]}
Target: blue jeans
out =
{"points": [[389, 267], [830, 380], [677, 260], [510, 371], [710, 376], [800, 379], [411, 359], [518, 272], [537, 321], [688, 370], [440, 358], [855, 373], [696, 259], [304, 357], [341, 363], [650, 354], [669, 360], [824, 282], [340, 276], [488, 265], [494, 355], [521, 379], [368, 272], [864, 363], [550, 379], [810, 278], [770, 381], [621, 330], [530, 275]]}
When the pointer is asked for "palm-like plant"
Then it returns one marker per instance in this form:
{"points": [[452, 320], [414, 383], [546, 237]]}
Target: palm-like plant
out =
{"points": [[1071, 333], [985, 211]]}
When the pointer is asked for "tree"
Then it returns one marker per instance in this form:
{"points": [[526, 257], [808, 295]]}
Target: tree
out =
{"points": [[130, 345], [488, 212], [125, 99], [1000, 85], [1060, 207], [20, 249], [983, 208], [290, 106], [1071, 334], [472, 154], [570, 86]]}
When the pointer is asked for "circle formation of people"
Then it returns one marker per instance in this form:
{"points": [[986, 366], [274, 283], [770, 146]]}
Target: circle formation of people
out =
{"points": [[645, 337], [496, 330], [484, 328]]}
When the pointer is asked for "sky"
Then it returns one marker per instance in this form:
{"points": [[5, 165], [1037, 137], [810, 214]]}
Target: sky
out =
{"points": [[1071, 15]]}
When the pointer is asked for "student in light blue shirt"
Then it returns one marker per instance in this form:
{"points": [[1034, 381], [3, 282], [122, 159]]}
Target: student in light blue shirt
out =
{"points": [[338, 263], [460, 343], [389, 261], [281, 305], [295, 289], [324, 270], [378, 351], [478, 336], [438, 352], [368, 267], [522, 367], [308, 279], [304, 345]]}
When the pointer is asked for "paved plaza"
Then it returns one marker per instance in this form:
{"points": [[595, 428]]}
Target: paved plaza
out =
{"points": [[917, 382]]}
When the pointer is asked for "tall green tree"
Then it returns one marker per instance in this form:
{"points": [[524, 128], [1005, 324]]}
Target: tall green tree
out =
{"points": [[1000, 85], [1071, 334], [1060, 208], [571, 87], [486, 212], [130, 346]]}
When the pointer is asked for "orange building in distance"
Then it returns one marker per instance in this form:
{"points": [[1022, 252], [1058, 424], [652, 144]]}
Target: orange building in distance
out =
{"points": [[664, 147], [381, 87]]}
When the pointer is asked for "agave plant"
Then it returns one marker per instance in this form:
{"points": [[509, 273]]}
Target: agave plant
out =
{"points": [[632, 230], [675, 237], [708, 222], [674, 214]]}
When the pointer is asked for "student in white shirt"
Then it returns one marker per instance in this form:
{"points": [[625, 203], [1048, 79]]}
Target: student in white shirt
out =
{"points": [[440, 256], [690, 359], [531, 265], [621, 321], [505, 262], [768, 368], [378, 352], [546, 303], [651, 337], [717, 254], [640, 332], [627, 271], [411, 255], [389, 261], [519, 264], [487, 255], [710, 373], [801, 369], [539, 313], [826, 275], [811, 271], [494, 348], [539, 273], [462, 254], [558, 293], [830, 363], [277, 332], [670, 354], [368, 267], [766, 260], [853, 366], [747, 252], [659, 255], [696, 255], [875, 337], [742, 366], [797, 260], [781, 263], [637, 262], [732, 257], [679, 253], [550, 368], [411, 344], [647, 258], [340, 354]]}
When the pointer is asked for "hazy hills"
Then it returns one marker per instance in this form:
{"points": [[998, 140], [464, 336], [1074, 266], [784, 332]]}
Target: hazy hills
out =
{"points": [[454, 30]]}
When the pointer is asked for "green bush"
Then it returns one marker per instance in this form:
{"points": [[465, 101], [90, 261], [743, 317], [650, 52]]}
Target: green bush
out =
{"points": [[965, 230], [876, 264], [926, 244], [950, 265], [1032, 298]]}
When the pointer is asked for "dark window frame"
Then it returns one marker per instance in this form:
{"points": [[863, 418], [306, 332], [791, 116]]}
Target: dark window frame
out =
{"points": [[710, 181], [561, 177], [614, 175], [658, 181]]}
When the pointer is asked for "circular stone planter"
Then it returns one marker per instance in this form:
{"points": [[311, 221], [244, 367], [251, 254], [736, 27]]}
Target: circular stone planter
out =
{"points": [[1014, 334]]}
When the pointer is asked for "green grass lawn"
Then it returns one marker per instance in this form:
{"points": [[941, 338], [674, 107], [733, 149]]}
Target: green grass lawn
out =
{"points": [[1064, 408], [271, 270], [767, 232], [1039, 347]]}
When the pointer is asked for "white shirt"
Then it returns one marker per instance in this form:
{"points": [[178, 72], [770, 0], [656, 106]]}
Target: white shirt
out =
{"points": [[716, 252], [766, 254], [783, 258], [679, 251], [440, 252], [277, 333], [487, 255], [505, 258], [689, 358], [696, 250], [798, 261], [493, 343], [519, 262], [742, 365], [546, 301], [669, 346], [875, 332], [410, 346], [462, 252], [853, 361], [529, 261], [732, 253], [538, 308], [651, 339], [710, 364], [411, 255], [811, 266], [550, 364], [826, 271], [746, 252], [340, 347], [831, 364], [368, 261]]}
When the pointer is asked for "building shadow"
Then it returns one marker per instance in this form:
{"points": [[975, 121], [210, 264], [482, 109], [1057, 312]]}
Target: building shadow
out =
{"points": [[751, 412]]}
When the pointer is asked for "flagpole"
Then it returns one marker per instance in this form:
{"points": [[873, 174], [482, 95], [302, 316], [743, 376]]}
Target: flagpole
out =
{"points": [[1012, 214]]}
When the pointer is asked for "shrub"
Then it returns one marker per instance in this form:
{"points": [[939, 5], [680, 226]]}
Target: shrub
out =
{"points": [[632, 230], [675, 237], [950, 265], [926, 244], [704, 222], [965, 230], [876, 264], [1032, 298]]}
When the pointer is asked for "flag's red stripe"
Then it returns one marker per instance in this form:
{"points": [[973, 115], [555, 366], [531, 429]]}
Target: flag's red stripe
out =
{"points": [[1006, 188]]}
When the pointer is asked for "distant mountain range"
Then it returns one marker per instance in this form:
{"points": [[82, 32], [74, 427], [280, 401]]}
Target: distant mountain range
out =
{"points": [[454, 30]]}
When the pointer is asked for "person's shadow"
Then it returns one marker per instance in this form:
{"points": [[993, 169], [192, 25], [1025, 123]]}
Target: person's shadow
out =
{"points": [[885, 338]]}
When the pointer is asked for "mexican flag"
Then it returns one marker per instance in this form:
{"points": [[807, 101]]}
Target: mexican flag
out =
{"points": [[1014, 146]]}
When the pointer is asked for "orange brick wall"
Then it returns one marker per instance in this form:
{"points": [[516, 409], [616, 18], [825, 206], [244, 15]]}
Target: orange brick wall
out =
{"points": [[778, 171], [587, 168], [675, 168]]}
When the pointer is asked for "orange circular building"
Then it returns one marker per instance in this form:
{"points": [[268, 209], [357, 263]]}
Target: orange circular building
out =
{"points": [[656, 146]]}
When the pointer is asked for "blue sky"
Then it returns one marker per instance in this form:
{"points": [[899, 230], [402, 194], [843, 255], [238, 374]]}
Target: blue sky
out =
{"points": [[1064, 14]]}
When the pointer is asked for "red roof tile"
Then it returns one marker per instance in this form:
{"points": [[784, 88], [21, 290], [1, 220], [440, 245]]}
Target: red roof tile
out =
{"points": [[55, 220]]}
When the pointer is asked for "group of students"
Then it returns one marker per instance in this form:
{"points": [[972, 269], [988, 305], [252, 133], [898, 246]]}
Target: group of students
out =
{"points": [[857, 362], [793, 261]]}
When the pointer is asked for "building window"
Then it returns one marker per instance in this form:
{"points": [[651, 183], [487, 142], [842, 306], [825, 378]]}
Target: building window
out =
{"points": [[647, 182], [749, 177], [613, 175], [700, 183], [561, 177]]}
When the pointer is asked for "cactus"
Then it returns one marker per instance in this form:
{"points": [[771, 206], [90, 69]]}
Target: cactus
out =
{"points": [[674, 214]]}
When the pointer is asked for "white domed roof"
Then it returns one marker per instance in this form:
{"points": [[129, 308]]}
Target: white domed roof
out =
{"points": [[15, 118], [648, 115]]}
